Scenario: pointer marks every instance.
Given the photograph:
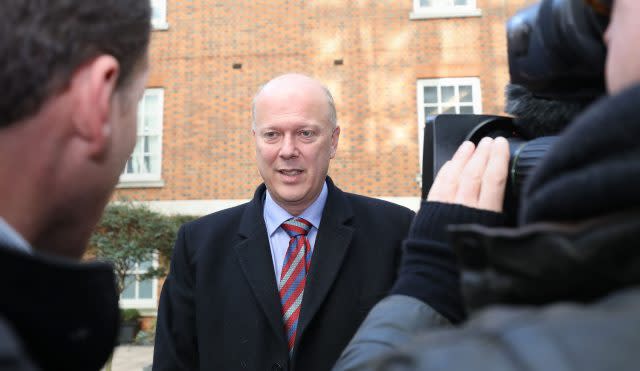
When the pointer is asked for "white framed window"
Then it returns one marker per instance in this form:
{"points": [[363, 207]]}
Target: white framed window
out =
{"points": [[159, 14], [424, 9], [137, 293], [446, 95], [145, 164]]}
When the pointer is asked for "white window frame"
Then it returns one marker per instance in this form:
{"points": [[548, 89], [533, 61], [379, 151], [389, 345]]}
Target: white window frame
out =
{"points": [[445, 11], [160, 22], [476, 98], [137, 303], [128, 180]]}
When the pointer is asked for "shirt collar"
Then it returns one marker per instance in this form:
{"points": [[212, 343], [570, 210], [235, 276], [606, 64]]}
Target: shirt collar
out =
{"points": [[275, 215], [10, 238]]}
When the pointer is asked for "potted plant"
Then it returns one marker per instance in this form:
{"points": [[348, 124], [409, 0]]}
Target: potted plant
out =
{"points": [[129, 325]]}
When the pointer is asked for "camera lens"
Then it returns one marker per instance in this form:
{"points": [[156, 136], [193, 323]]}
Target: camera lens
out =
{"points": [[524, 157]]}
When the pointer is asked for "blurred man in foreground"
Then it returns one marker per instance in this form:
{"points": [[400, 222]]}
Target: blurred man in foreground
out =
{"points": [[72, 72]]}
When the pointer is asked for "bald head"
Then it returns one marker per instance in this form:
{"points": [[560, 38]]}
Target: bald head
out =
{"points": [[293, 86]]}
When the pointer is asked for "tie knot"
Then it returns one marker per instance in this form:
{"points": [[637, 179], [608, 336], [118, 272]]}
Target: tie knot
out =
{"points": [[296, 227]]}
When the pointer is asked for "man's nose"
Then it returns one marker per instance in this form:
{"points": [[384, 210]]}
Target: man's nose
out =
{"points": [[289, 147]]}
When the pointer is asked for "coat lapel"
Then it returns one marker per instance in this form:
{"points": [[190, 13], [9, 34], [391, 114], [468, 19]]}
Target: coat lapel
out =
{"points": [[255, 259], [332, 243]]}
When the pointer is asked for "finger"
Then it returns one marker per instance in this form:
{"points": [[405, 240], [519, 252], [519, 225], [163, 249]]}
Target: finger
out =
{"points": [[495, 177], [471, 176], [445, 184]]}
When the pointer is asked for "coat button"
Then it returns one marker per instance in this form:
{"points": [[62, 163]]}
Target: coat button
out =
{"points": [[276, 367]]}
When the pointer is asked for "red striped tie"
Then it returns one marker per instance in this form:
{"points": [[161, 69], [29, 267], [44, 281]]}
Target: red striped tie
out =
{"points": [[293, 275]]}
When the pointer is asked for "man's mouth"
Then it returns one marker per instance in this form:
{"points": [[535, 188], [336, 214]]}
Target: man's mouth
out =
{"points": [[290, 172]]}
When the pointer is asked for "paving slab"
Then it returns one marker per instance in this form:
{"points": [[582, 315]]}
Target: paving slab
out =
{"points": [[132, 358]]}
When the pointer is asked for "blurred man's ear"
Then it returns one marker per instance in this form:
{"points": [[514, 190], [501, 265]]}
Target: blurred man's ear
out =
{"points": [[92, 87]]}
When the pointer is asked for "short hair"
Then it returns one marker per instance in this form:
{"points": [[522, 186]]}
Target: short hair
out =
{"points": [[331, 104], [42, 42]]}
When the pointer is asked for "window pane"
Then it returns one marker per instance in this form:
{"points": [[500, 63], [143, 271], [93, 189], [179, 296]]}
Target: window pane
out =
{"points": [[155, 13], [152, 112], [152, 145], [448, 95], [430, 111], [157, 10], [144, 266], [147, 153], [129, 288], [431, 94], [461, 2], [136, 157], [128, 169], [136, 165], [435, 3], [145, 289], [466, 95], [152, 155], [466, 109], [149, 125], [449, 109]]}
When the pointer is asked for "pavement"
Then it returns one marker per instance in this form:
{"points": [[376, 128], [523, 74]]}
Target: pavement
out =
{"points": [[132, 358]]}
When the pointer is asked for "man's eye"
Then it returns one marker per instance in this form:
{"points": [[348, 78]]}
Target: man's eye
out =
{"points": [[270, 134], [306, 133]]}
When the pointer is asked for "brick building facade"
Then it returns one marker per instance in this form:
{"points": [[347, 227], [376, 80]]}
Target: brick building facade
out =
{"points": [[208, 58], [388, 64]]}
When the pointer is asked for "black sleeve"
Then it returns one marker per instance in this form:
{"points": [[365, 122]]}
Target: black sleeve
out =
{"points": [[428, 269], [176, 341], [12, 353]]}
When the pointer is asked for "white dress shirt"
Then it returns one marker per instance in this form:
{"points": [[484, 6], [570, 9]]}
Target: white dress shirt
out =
{"points": [[274, 216], [11, 238]]}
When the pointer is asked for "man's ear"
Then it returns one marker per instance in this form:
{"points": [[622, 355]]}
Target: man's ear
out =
{"points": [[92, 86], [335, 136]]}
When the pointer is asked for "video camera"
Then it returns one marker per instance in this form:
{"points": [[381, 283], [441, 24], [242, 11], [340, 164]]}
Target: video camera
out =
{"points": [[557, 55]]}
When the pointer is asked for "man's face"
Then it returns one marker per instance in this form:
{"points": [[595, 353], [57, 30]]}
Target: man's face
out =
{"points": [[623, 43], [294, 143]]}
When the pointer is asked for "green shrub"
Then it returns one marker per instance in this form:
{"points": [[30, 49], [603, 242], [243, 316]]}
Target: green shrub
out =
{"points": [[129, 315], [130, 234]]}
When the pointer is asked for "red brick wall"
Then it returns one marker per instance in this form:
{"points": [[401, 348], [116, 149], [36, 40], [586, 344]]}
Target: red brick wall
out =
{"points": [[207, 144]]}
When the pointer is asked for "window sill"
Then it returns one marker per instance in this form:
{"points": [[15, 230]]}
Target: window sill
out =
{"points": [[144, 310], [159, 26], [446, 13], [158, 183]]}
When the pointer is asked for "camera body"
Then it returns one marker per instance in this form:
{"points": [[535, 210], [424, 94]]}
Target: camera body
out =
{"points": [[556, 56], [443, 134]]}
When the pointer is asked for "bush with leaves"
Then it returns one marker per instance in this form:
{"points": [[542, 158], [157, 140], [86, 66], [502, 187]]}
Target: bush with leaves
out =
{"points": [[130, 234], [129, 315]]}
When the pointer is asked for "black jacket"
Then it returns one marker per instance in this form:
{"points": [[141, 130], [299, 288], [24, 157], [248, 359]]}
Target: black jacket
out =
{"points": [[220, 307], [55, 314]]}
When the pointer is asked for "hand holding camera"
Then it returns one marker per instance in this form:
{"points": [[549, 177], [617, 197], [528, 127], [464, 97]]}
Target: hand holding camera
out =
{"points": [[474, 177]]}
